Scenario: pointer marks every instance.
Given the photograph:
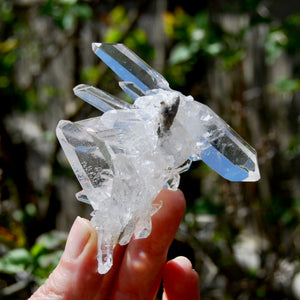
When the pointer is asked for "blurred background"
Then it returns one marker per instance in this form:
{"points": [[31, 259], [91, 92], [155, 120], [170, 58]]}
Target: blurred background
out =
{"points": [[241, 58]]}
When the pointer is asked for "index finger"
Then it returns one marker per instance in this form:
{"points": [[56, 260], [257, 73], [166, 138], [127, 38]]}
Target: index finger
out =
{"points": [[140, 272]]}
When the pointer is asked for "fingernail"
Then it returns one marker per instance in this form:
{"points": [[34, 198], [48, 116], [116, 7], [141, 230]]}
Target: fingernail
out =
{"points": [[183, 261], [77, 239]]}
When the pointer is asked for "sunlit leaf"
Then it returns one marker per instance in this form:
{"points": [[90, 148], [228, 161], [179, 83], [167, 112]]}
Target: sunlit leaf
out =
{"points": [[68, 20], [37, 250], [9, 45], [288, 85], [179, 54], [83, 11], [15, 261], [70, 2], [113, 35], [90, 75], [50, 259], [214, 49], [6, 11], [118, 15], [52, 240], [30, 209]]}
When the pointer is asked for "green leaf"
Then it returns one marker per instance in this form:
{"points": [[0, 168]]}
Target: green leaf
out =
{"points": [[229, 59], [37, 250], [180, 53], [18, 215], [118, 15], [90, 75], [69, 2], [9, 59], [9, 45], [198, 34], [68, 20], [30, 209], [6, 11], [288, 85], [213, 49], [52, 240], [83, 11], [50, 259], [276, 41], [113, 35], [15, 261]]}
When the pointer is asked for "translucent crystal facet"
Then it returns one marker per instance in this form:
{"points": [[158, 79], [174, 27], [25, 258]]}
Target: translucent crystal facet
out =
{"points": [[92, 95], [129, 67], [123, 158]]}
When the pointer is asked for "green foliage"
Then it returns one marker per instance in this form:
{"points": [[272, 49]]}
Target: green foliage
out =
{"points": [[66, 13], [118, 21], [287, 85], [196, 35], [291, 27], [39, 261], [136, 39], [6, 11], [196, 39], [8, 57], [276, 41], [283, 37], [90, 75], [192, 34], [294, 147], [15, 261]]}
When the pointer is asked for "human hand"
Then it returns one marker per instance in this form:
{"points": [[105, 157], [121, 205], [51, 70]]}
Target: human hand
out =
{"points": [[138, 267]]}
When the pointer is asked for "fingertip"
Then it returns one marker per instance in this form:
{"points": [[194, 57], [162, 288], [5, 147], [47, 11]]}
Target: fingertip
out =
{"points": [[180, 267], [165, 222], [180, 280], [183, 262], [173, 201], [179, 199]]}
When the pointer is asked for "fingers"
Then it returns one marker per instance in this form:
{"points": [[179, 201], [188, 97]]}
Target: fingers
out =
{"points": [[76, 275], [141, 269], [180, 281], [137, 269]]}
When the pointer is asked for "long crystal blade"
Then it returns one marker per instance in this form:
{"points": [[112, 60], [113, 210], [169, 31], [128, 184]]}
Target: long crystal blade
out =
{"points": [[218, 145], [230, 156], [98, 98], [129, 67]]}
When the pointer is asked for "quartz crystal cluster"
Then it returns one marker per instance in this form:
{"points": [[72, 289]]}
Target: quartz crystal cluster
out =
{"points": [[123, 158]]}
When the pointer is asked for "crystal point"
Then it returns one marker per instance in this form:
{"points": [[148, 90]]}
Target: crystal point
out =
{"points": [[98, 98], [125, 157], [131, 89], [129, 67]]}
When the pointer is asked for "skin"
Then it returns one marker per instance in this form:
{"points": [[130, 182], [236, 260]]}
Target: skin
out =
{"points": [[138, 267]]}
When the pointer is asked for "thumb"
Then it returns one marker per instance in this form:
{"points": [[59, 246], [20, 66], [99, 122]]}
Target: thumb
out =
{"points": [[77, 269]]}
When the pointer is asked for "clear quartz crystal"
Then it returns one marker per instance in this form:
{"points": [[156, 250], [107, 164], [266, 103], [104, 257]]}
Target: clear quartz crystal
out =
{"points": [[123, 158]]}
